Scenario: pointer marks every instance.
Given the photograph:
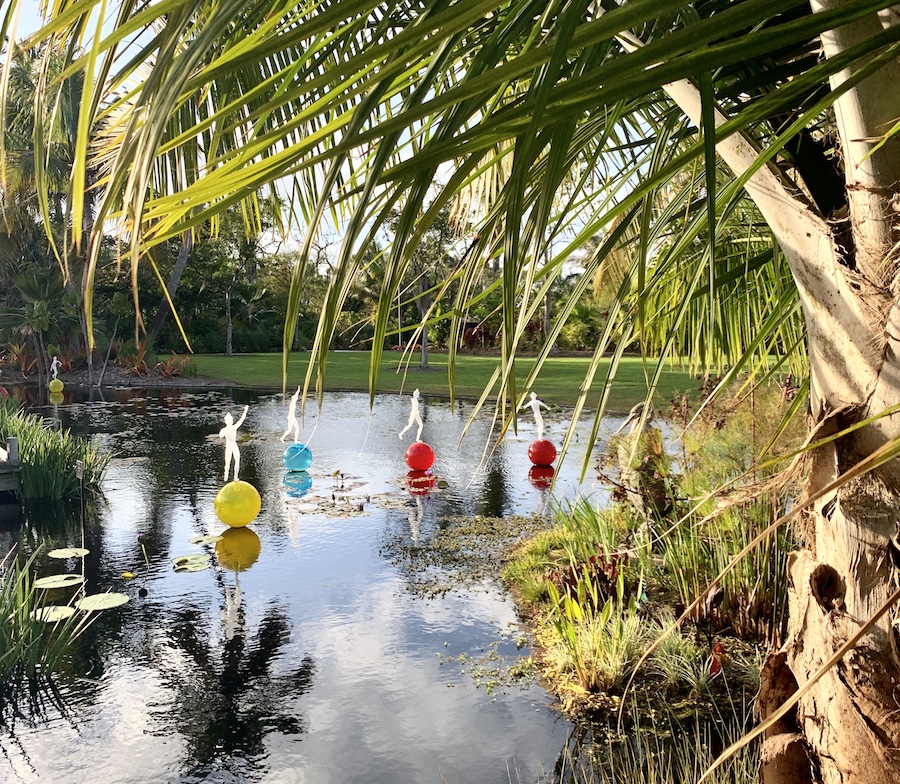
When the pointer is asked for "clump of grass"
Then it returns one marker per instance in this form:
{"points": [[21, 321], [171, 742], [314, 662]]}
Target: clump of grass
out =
{"points": [[49, 456], [666, 750], [680, 661], [598, 641]]}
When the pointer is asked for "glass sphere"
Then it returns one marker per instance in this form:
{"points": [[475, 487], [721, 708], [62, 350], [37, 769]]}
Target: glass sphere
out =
{"points": [[237, 504], [297, 457]]}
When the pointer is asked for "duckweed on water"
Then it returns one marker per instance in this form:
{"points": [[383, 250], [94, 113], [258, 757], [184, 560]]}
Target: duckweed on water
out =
{"points": [[461, 551]]}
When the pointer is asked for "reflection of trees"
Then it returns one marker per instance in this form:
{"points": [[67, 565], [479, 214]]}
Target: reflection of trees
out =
{"points": [[228, 698], [493, 500]]}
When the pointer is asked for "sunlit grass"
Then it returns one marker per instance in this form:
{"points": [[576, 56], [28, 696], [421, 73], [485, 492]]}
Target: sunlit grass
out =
{"points": [[607, 581], [558, 382]]}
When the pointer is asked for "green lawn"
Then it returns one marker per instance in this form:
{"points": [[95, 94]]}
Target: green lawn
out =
{"points": [[558, 382]]}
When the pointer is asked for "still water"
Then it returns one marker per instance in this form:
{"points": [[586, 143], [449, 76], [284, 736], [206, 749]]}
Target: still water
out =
{"points": [[319, 662]]}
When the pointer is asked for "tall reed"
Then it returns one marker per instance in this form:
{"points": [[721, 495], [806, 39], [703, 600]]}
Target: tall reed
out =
{"points": [[49, 456], [31, 650]]}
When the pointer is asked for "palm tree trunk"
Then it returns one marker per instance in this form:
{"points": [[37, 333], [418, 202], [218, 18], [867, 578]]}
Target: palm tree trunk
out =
{"points": [[846, 728], [39, 363], [423, 304]]}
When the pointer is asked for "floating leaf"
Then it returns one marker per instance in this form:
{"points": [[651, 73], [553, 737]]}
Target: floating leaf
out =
{"points": [[58, 581], [211, 539], [68, 552], [127, 575], [186, 559], [101, 601], [52, 613], [193, 566]]}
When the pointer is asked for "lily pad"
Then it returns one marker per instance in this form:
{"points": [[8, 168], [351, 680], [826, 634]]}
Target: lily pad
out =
{"points": [[52, 613], [211, 539], [193, 566], [181, 560], [101, 601], [58, 581], [68, 552]]}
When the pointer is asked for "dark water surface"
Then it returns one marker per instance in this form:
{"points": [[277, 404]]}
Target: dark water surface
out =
{"points": [[316, 664]]}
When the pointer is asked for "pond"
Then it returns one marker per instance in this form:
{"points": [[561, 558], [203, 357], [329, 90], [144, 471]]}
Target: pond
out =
{"points": [[322, 659]]}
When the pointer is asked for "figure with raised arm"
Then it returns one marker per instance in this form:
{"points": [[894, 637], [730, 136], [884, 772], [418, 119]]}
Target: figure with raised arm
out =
{"points": [[229, 433], [536, 405], [415, 416], [293, 424], [54, 367]]}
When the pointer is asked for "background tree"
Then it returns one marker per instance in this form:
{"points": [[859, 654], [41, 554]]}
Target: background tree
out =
{"points": [[432, 267], [593, 117]]}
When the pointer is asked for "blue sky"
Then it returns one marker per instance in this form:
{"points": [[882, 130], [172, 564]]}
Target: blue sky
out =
{"points": [[29, 18]]}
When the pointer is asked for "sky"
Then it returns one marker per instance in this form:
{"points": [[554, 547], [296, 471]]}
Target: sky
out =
{"points": [[29, 18]]}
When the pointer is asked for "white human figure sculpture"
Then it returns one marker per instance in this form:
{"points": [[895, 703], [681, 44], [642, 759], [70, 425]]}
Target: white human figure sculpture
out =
{"points": [[293, 424], [414, 417], [229, 433], [54, 367], [536, 405]]}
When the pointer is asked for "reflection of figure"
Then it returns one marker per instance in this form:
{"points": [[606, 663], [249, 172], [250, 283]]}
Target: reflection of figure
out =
{"points": [[536, 405], [54, 367], [415, 520], [229, 433], [233, 609], [293, 424], [414, 417]]}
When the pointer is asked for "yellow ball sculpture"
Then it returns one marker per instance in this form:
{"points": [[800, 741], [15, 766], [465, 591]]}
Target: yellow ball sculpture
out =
{"points": [[238, 549], [237, 504], [55, 385]]}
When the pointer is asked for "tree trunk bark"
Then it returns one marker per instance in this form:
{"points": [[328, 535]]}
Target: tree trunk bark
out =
{"points": [[228, 350], [423, 304], [171, 286], [847, 726]]}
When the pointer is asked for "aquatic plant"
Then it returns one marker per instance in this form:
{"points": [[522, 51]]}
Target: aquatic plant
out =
{"points": [[599, 641], [604, 580], [660, 748], [49, 457], [31, 648]]}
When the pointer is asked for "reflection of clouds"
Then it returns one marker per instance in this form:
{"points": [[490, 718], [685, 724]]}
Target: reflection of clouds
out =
{"points": [[415, 519], [348, 439], [432, 730], [102, 747], [379, 707]]}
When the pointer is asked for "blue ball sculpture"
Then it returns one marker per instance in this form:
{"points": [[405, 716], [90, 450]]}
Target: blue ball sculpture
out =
{"points": [[297, 457]]}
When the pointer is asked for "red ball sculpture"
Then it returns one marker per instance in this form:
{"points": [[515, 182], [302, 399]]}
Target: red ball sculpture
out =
{"points": [[419, 456], [542, 452], [541, 476], [419, 482]]}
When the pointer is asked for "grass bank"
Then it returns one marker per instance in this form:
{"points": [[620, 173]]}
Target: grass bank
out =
{"points": [[558, 382], [607, 581]]}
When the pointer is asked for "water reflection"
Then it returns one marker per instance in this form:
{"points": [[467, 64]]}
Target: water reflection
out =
{"points": [[228, 694], [307, 653]]}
